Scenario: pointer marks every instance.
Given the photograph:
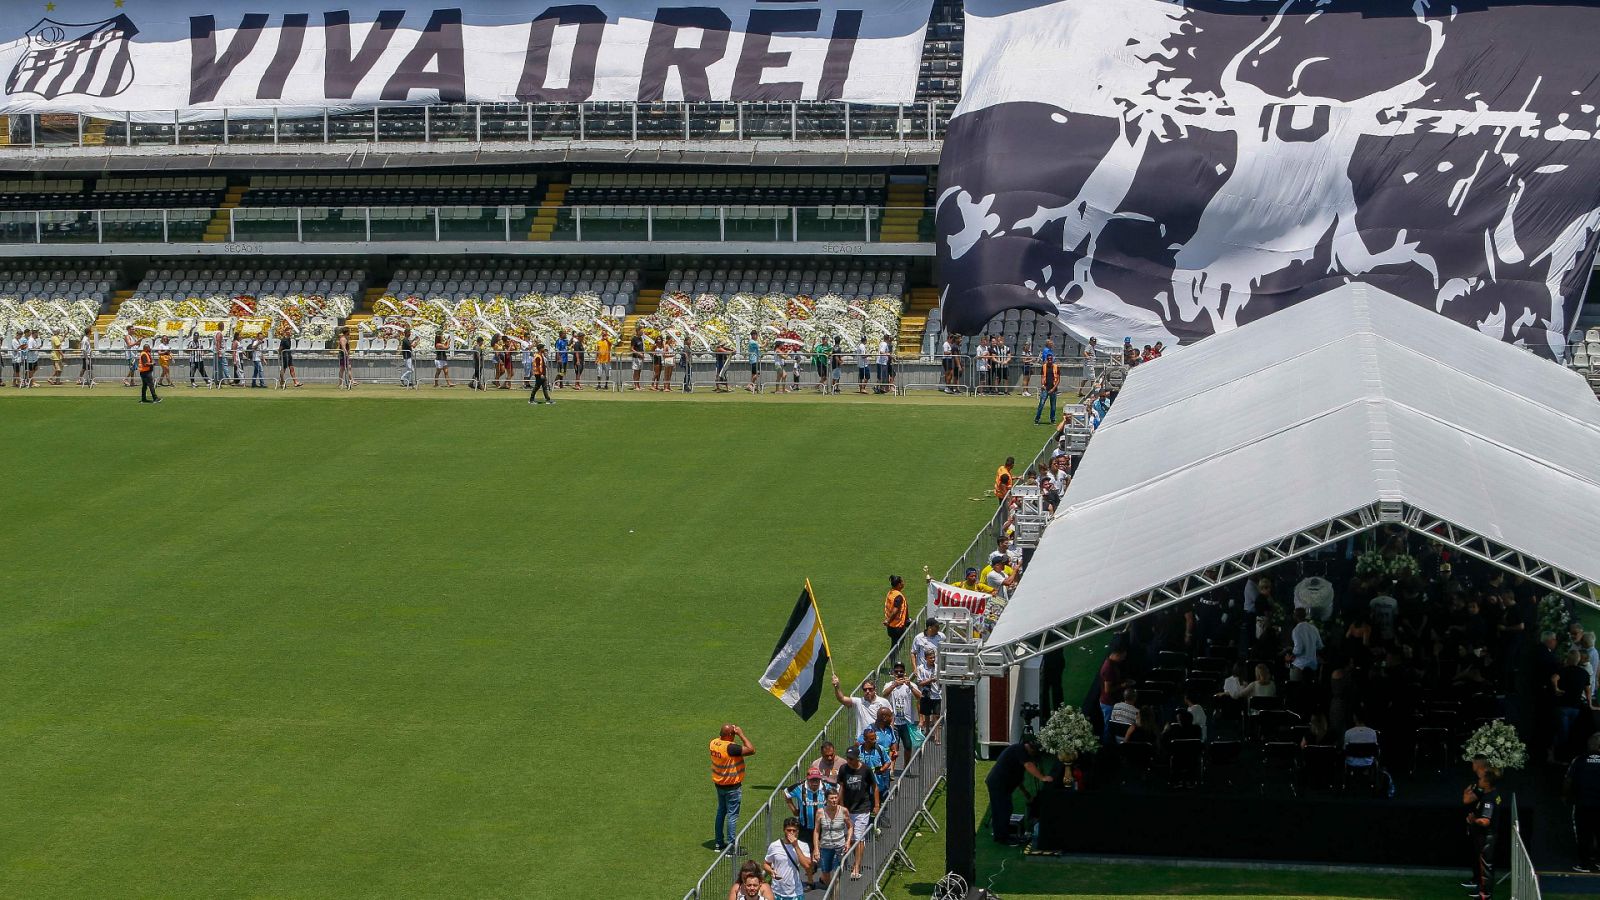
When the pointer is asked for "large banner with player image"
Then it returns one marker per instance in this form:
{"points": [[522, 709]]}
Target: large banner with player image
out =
{"points": [[202, 56], [1165, 170]]}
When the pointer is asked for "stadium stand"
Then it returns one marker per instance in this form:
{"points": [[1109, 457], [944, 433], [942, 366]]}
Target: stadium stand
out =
{"points": [[615, 282], [861, 279], [187, 278], [940, 77], [32, 280]]}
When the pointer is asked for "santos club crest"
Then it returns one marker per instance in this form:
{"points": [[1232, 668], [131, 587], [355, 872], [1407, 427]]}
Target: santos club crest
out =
{"points": [[88, 59]]}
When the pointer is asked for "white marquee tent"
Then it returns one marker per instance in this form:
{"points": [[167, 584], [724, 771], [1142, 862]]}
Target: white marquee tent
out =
{"points": [[1336, 415]]}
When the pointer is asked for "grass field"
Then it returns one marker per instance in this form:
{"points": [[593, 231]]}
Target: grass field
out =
{"points": [[321, 646]]}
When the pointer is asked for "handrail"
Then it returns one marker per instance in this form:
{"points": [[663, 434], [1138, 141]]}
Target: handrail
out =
{"points": [[920, 124], [844, 224]]}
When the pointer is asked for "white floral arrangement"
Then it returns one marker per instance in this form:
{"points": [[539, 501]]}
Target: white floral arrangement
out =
{"points": [[1554, 615], [1497, 742], [290, 315], [531, 317], [67, 318], [1068, 733], [1398, 567], [781, 321]]}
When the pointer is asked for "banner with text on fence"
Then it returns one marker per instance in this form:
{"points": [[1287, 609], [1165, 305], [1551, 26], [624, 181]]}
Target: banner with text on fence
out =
{"points": [[201, 56], [948, 596], [1166, 170]]}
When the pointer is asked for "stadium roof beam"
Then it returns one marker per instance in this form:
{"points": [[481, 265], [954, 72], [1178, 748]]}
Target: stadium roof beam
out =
{"points": [[1318, 423]]}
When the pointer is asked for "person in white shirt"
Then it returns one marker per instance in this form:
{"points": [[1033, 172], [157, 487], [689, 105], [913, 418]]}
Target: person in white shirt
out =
{"points": [[1199, 713], [1124, 714], [1359, 733], [885, 368], [904, 694], [788, 861], [982, 365], [929, 639], [1306, 645], [863, 366], [932, 694], [866, 706], [947, 360]]}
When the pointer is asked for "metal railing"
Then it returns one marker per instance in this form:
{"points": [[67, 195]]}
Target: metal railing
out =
{"points": [[1524, 879], [842, 225], [921, 123], [904, 805]]}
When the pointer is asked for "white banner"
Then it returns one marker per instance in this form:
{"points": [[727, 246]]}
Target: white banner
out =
{"points": [[201, 56], [946, 596]]}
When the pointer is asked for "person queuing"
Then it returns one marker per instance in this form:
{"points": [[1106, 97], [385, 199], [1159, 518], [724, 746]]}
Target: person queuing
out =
{"points": [[896, 614], [579, 359], [729, 749], [904, 694], [722, 355], [866, 707], [476, 384], [789, 861], [858, 790], [832, 836], [147, 381], [286, 370], [806, 799], [86, 358], [441, 360], [753, 351], [750, 885], [877, 755], [408, 365], [346, 378], [602, 361], [540, 381], [1005, 778]]}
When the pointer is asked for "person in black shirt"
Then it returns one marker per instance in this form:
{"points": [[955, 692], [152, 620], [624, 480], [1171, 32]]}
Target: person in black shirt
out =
{"points": [[858, 791], [477, 365], [1483, 805], [1571, 687], [408, 366], [1582, 790], [723, 354], [1005, 778], [286, 361], [636, 356]]}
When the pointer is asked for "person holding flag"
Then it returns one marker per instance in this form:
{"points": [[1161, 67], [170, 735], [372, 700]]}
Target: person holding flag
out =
{"points": [[727, 774]]}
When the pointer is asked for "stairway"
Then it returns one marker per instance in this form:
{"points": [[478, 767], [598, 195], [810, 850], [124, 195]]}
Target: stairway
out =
{"points": [[117, 299], [914, 323], [647, 302], [903, 214], [369, 297], [217, 228], [544, 221], [5, 131]]}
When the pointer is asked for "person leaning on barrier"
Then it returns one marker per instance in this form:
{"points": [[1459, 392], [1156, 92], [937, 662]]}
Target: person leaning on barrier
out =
{"points": [[1582, 790], [729, 749]]}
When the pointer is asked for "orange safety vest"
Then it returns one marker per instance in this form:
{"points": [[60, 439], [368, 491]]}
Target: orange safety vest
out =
{"points": [[1000, 491], [894, 609], [144, 361], [727, 770], [538, 364]]}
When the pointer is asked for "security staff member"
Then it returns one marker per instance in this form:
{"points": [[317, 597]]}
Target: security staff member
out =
{"points": [[1005, 778], [1049, 384], [728, 752], [539, 380], [147, 382], [1582, 790], [1482, 806], [895, 614]]}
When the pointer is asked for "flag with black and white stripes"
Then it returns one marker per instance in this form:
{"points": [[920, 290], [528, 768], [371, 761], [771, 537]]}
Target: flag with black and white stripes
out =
{"points": [[800, 661]]}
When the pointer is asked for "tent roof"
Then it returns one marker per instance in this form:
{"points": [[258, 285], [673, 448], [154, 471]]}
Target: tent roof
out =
{"points": [[1352, 398]]}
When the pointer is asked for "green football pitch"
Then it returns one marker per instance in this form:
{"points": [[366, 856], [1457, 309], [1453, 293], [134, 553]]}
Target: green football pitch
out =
{"points": [[261, 644]]}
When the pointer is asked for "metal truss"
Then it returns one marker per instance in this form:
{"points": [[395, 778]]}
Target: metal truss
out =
{"points": [[1510, 559], [995, 660]]}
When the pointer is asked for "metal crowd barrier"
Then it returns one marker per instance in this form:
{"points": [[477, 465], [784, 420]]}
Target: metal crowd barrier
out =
{"points": [[908, 794], [1524, 879], [920, 123], [385, 367]]}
